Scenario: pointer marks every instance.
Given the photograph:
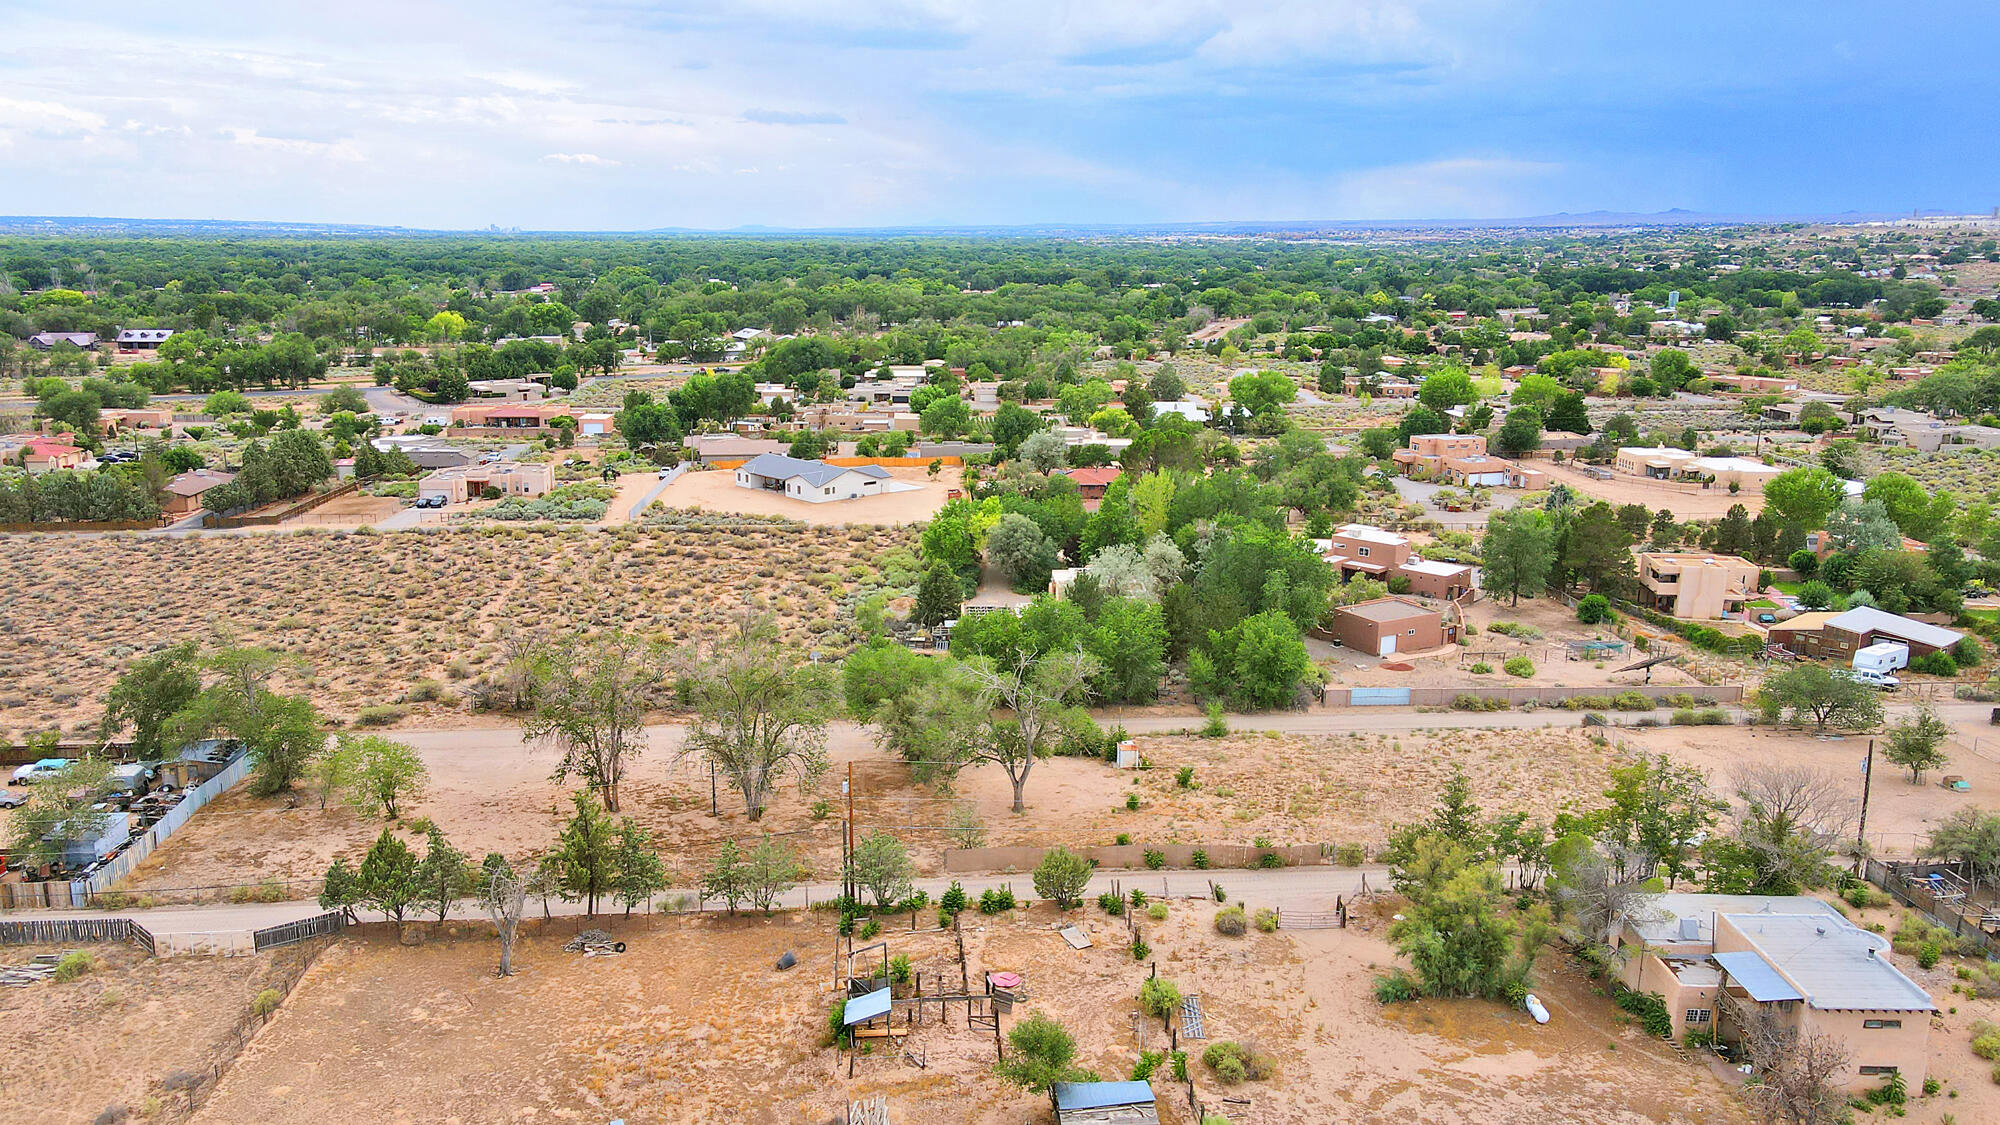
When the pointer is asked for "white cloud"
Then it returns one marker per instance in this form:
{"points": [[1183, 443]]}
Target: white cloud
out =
{"points": [[581, 158], [16, 113]]}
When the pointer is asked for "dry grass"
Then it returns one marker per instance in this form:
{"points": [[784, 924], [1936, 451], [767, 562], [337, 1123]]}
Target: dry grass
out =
{"points": [[371, 614]]}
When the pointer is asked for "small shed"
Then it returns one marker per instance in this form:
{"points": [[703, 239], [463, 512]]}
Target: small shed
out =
{"points": [[1104, 1103]]}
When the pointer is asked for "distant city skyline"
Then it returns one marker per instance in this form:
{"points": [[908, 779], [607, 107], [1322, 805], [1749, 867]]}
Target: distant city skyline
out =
{"points": [[626, 115]]}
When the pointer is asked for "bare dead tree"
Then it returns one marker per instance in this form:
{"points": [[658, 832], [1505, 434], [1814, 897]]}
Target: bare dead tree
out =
{"points": [[1594, 892], [1793, 816], [1794, 1070], [505, 899]]}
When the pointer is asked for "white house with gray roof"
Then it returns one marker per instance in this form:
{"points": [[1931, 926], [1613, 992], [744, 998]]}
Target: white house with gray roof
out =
{"points": [[815, 482]]}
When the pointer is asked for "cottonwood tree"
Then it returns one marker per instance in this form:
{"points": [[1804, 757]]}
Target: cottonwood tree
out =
{"points": [[1917, 743], [504, 895], [282, 733], [590, 695], [1518, 552], [1969, 836], [1792, 818], [1043, 1054], [760, 714], [938, 724], [331, 772], [1039, 694]]}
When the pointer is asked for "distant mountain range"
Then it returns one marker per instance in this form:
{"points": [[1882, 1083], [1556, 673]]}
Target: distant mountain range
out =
{"points": [[1291, 228]]}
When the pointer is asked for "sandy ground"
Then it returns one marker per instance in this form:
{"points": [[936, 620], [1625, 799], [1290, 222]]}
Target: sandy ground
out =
{"points": [[355, 510], [693, 1024], [490, 793], [109, 1038], [373, 614], [717, 491], [1686, 503]]}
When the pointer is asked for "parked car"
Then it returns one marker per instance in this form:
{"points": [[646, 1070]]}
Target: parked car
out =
{"points": [[35, 771], [1875, 679], [665, 473], [430, 501], [12, 799]]}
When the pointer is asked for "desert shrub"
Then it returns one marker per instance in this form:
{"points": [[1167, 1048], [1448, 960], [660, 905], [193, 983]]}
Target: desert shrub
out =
{"points": [[996, 900], [1350, 855], [1714, 717], [1861, 896], [1184, 777], [1111, 903], [1631, 701], [1131, 802], [1968, 653], [1216, 726], [953, 899], [1986, 1040], [1157, 911], [1230, 922], [1155, 859], [1149, 1061], [1397, 988], [1684, 717], [1934, 664], [1140, 950], [1267, 921], [1913, 933], [1928, 954], [379, 715], [1481, 668], [1199, 858], [265, 1003], [1650, 1007], [1519, 666], [1159, 997], [73, 965], [1235, 1062], [1594, 609]]}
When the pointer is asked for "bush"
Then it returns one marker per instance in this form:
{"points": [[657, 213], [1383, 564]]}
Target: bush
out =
{"points": [[1651, 1008], [1934, 664], [1986, 1040], [1234, 1062], [1155, 859], [1396, 988], [996, 900], [378, 715], [1928, 954], [1149, 1061], [1184, 777], [1519, 666], [1267, 921], [1157, 912], [1140, 950], [1216, 726], [1632, 701], [1350, 855], [1594, 610], [1111, 903], [1481, 668], [1968, 653], [1199, 859], [1230, 922], [953, 899], [265, 1003], [1131, 802], [74, 965], [1159, 998], [1684, 717]]}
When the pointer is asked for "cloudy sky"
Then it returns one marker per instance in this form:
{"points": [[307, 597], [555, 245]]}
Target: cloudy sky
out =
{"points": [[626, 114]]}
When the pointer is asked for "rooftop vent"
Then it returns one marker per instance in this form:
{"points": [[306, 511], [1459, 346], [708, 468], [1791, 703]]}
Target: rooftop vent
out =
{"points": [[1690, 929]]}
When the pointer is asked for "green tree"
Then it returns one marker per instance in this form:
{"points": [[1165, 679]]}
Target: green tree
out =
{"points": [[1597, 550], [759, 713], [727, 877], [1456, 931], [1040, 696], [1446, 389], [1917, 513], [149, 694], [1061, 877], [1917, 742], [444, 876], [881, 866], [386, 774], [1814, 691], [1021, 553], [590, 694], [1519, 552], [1256, 663], [638, 873], [948, 418], [61, 810], [387, 879], [940, 594], [1803, 497], [1568, 414], [585, 858], [1970, 836], [772, 869], [1520, 433]]}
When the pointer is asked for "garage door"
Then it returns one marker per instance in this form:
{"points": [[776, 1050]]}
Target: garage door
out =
{"points": [[1388, 645]]}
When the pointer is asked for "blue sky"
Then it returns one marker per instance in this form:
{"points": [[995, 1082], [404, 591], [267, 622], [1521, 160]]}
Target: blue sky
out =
{"points": [[621, 114]]}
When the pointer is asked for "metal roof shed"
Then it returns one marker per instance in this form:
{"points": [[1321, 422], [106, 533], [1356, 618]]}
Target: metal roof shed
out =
{"points": [[1104, 1103], [1757, 977]]}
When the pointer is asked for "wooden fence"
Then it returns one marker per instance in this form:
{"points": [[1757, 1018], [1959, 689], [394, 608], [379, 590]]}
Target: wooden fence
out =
{"points": [[1704, 695], [1967, 914], [292, 933], [62, 931], [79, 525], [305, 505]]}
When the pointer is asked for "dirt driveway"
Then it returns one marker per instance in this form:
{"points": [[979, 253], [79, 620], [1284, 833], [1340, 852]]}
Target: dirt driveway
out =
{"points": [[1685, 503]]}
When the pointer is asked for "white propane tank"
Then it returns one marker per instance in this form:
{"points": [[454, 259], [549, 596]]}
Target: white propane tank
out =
{"points": [[1535, 1008]]}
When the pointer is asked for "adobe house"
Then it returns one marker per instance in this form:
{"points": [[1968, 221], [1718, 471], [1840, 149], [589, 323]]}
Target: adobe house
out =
{"points": [[1386, 626], [1696, 585]]}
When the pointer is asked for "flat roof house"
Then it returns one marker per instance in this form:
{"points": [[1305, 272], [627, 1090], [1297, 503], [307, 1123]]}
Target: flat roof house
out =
{"points": [[1386, 626], [1442, 580], [815, 482], [462, 483], [1359, 548], [1797, 956], [1695, 585], [1425, 456], [1841, 635]]}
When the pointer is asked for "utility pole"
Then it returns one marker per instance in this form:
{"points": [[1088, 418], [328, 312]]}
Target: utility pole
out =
{"points": [[847, 836], [1867, 783]]}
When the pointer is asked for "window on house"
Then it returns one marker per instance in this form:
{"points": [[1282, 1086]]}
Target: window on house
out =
{"points": [[1361, 551], [1877, 1070], [1882, 1025], [1411, 633], [1699, 1015]]}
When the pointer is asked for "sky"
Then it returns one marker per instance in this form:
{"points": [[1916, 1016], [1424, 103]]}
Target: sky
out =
{"points": [[631, 115]]}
